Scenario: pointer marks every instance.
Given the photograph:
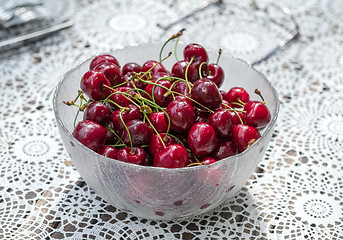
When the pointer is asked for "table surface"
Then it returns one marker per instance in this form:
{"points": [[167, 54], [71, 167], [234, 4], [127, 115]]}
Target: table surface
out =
{"points": [[296, 191]]}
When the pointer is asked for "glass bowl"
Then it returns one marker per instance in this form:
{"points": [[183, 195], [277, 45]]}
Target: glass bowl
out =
{"points": [[160, 193]]}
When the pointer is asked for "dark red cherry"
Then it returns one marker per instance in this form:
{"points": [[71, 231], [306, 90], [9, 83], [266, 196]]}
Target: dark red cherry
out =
{"points": [[183, 98], [244, 135], [224, 149], [120, 97], [173, 156], [91, 134], [181, 87], [235, 94], [197, 52], [256, 114], [208, 160], [202, 139], [159, 92], [159, 122], [132, 82], [131, 113], [109, 152], [158, 67], [141, 133], [131, 67], [221, 121], [202, 116], [93, 85], [111, 138], [237, 117], [111, 71], [158, 75], [179, 71], [156, 144], [97, 112], [103, 58], [181, 115], [206, 92], [215, 73], [225, 105], [136, 156]]}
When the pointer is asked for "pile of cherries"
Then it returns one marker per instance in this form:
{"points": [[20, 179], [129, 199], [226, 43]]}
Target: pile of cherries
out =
{"points": [[150, 116]]}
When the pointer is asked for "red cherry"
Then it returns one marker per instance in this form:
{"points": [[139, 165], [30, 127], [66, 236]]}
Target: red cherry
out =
{"points": [[202, 139], [221, 121], [119, 98], [158, 75], [93, 85], [236, 117], [158, 67], [181, 87], [97, 112], [197, 52], [141, 133], [109, 152], [181, 115], [173, 156], [257, 114], [201, 116], [235, 94], [224, 149], [159, 92], [111, 138], [136, 156], [91, 134], [131, 67], [156, 144], [128, 79], [244, 135], [206, 93], [103, 58], [132, 113], [179, 71], [208, 160], [225, 105], [111, 71], [215, 73], [157, 119]]}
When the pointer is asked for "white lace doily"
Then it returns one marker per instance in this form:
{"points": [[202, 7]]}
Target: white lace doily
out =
{"points": [[297, 189]]}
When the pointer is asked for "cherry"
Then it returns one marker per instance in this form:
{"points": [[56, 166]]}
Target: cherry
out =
{"points": [[215, 73], [131, 113], [197, 52], [93, 85], [91, 134], [111, 138], [181, 87], [159, 122], [208, 160], [119, 98], [225, 105], [141, 133], [235, 94], [256, 114], [111, 71], [136, 156], [128, 79], [109, 152], [221, 121], [206, 93], [159, 92], [179, 70], [236, 117], [201, 116], [97, 112], [244, 135], [131, 67], [181, 115], [224, 149], [183, 98], [158, 67], [173, 156], [103, 58], [156, 144], [202, 139], [158, 75]]}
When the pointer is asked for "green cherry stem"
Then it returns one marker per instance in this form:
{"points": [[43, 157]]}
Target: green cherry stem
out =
{"points": [[128, 132], [200, 74], [186, 73], [219, 55], [159, 135], [235, 111], [176, 35], [260, 94]]}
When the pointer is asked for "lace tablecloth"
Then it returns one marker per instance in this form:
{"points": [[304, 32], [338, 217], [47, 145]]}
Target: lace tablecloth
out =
{"points": [[297, 190]]}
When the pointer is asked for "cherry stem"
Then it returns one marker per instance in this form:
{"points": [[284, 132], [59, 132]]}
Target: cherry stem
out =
{"points": [[115, 134], [203, 63], [219, 55], [169, 54], [176, 35], [211, 111], [235, 111], [175, 48], [159, 135], [260, 94], [128, 132], [186, 73], [239, 103]]}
